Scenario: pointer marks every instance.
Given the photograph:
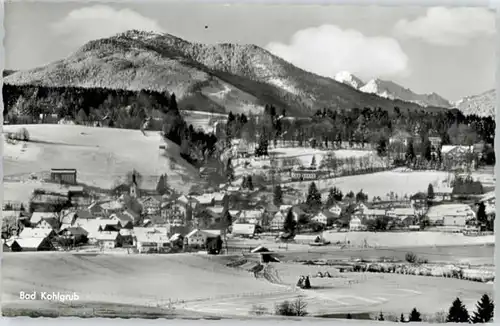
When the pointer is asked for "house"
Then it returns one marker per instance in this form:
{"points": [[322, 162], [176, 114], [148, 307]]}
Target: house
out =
{"points": [[173, 210], [124, 220], [251, 216], [196, 238], [205, 200], [403, 138], [219, 198], [402, 213], [435, 141], [243, 229], [151, 205], [456, 157], [307, 174], [371, 214], [11, 246], [48, 223], [151, 239], [36, 217], [108, 239], [278, 221], [323, 217], [37, 233], [73, 232], [92, 226], [66, 176], [83, 213], [450, 214], [336, 210], [355, 224], [34, 244], [111, 207], [95, 209]]}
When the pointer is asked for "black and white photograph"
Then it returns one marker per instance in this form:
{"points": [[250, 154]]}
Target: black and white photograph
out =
{"points": [[195, 160]]}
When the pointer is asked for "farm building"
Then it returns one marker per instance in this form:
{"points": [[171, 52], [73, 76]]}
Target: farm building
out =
{"points": [[34, 244], [108, 239], [64, 176], [245, 230]]}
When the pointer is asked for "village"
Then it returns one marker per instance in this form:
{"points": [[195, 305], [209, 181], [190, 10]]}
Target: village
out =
{"points": [[267, 200]]}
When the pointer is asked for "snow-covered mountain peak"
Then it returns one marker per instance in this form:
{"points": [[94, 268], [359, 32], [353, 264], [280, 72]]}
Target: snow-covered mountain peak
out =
{"points": [[347, 78]]}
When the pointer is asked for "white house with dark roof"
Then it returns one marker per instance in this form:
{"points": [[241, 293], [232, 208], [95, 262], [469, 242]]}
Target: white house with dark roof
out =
{"points": [[108, 239], [36, 217]]}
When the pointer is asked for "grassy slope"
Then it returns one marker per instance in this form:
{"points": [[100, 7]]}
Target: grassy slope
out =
{"points": [[101, 155]]}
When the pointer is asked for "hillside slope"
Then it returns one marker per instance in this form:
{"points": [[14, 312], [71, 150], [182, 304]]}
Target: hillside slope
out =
{"points": [[126, 279], [101, 155], [482, 105], [237, 77]]}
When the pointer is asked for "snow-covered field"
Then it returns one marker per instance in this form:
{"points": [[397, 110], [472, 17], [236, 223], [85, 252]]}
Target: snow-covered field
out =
{"points": [[101, 155], [125, 279], [380, 183], [304, 155], [204, 284]]}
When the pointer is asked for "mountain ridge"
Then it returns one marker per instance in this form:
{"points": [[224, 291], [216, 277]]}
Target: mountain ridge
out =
{"points": [[482, 104], [239, 78]]}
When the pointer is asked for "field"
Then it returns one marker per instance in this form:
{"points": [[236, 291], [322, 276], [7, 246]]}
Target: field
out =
{"points": [[203, 284], [304, 155], [380, 183], [101, 156]]}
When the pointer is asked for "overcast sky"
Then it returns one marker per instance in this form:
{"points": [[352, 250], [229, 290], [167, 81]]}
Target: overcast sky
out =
{"points": [[450, 51]]}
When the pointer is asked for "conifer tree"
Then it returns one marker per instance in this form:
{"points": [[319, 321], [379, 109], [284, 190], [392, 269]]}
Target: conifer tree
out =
{"points": [[278, 196], [457, 313], [331, 198], [414, 316], [313, 196], [381, 317], [430, 191], [289, 224], [249, 182], [485, 309], [402, 318]]}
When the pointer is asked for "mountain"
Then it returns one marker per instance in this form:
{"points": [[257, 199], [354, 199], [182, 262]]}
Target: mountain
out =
{"points": [[482, 105], [349, 79], [218, 77], [391, 90]]}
